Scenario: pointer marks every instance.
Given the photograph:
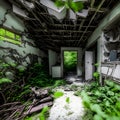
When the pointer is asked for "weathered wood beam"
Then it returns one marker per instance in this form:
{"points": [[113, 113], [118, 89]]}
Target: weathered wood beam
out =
{"points": [[101, 10], [57, 36], [49, 31], [81, 25], [92, 3], [54, 40], [69, 25], [92, 18], [38, 108]]}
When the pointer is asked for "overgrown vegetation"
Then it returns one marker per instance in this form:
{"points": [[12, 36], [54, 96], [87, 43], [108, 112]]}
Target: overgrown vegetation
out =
{"points": [[58, 94], [19, 88], [70, 60], [102, 103], [96, 74], [70, 4], [36, 75], [39, 77], [43, 115]]}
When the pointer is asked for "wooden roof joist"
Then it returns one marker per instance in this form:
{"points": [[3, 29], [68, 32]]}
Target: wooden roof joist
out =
{"points": [[54, 40], [60, 31], [58, 36], [69, 25], [49, 32]]}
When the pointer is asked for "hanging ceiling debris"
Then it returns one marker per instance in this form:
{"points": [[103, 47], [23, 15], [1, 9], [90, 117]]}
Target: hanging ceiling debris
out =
{"points": [[52, 27]]}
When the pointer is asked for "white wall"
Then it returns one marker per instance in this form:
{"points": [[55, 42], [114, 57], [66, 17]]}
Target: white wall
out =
{"points": [[52, 59], [114, 14], [23, 54], [12, 20], [98, 36]]}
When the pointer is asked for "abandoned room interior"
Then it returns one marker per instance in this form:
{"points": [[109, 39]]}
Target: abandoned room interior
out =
{"points": [[59, 59]]}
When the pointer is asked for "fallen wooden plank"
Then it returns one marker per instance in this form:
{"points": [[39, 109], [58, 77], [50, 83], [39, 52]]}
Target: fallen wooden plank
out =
{"points": [[8, 104], [43, 100], [38, 108], [47, 99]]}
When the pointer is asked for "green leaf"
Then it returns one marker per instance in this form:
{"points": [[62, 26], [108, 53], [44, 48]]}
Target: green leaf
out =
{"points": [[59, 3], [113, 118], [86, 99], [107, 103], [42, 117], [97, 109], [59, 82], [110, 93], [97, 93], [96, 64], [116, 88], [110, 83], [45, 109], [5, 65], [58, 94], [13, 64], [118, 105], [42, 113], [96, 74], [68, 100], [76, 6], [5, 80], [97, 117]]}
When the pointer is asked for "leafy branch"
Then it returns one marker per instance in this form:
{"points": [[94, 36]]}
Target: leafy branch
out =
{"points": [[70, 4]]}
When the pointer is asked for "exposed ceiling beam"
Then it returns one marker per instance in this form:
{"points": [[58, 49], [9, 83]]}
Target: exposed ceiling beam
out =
{"points": [[54, 40], [101, 10], [81, 24], [57, 36], [47, 31], [92, 3], [69, 25], [100, 5]]}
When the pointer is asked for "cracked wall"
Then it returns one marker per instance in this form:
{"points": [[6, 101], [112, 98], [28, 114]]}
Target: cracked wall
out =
{"points": [[24, 54]]}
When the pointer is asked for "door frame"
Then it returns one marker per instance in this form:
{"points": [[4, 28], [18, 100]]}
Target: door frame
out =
{"points": [[76, 59], [79, 59]]}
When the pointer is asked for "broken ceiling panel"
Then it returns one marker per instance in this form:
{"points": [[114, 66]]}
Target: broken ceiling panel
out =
{"points": [[59, 15], [70, 29], [72, 15], [61, 12], [19, 11], [28, 4], [83, 13]]}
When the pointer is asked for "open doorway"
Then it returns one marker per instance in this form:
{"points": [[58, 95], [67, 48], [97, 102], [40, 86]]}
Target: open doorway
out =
{"points": [[70, 62]]}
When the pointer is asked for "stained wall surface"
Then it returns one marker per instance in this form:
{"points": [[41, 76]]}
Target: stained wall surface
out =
{"points": [[23, 54]]}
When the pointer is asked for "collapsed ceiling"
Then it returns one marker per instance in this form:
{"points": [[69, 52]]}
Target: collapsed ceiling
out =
{"points": [[50, 32]]}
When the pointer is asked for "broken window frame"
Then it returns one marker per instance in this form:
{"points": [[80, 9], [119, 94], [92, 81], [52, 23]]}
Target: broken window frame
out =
{"points": [[9, 36]]}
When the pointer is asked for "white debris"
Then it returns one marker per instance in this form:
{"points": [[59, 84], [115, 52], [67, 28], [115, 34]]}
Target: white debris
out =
{"points": [[62, 110]]}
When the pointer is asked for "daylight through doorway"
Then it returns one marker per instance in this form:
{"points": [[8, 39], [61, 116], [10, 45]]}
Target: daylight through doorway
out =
{"points": [[70, 62]]}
